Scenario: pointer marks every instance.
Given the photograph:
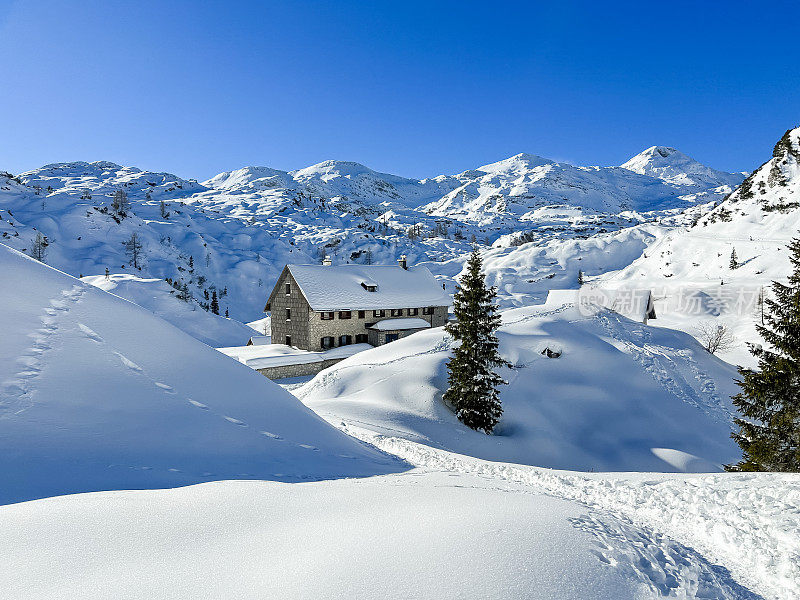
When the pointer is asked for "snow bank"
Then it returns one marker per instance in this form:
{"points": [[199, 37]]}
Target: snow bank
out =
{"points": [[417, 535], [96, 393], [619, 392]]}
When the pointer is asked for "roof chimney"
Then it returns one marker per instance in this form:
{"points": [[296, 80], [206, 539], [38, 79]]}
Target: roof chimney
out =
{"points": [[402, 261], [327, 262]]}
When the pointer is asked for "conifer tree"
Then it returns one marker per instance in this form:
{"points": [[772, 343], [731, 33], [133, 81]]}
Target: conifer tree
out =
{"points": [[734, 260], [769, 430], [472, 381], [120, 203], [39, 247], [580, 277], [214, 302], [133, 248]]}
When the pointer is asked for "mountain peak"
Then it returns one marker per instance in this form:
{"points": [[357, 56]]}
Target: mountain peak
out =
{"points": [[519, 162], [669, 164]]}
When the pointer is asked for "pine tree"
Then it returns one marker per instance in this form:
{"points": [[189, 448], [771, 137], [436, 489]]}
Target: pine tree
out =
{"points": [[133, 249], [120, 203], [163, 208], [472, 390], [214, 303], [580, 277], [226, 313], [734, 261], [769, 432], [39, 247]]}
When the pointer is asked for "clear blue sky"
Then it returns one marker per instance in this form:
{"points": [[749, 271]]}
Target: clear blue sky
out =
{"points": [[413, 88]]}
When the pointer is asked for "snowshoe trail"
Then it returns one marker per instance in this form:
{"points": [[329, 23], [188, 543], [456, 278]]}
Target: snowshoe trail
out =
{"points": [[17, 392], [679, 523]]}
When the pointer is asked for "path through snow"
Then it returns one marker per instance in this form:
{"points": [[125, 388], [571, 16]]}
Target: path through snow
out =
{"points": [[750, 523]]}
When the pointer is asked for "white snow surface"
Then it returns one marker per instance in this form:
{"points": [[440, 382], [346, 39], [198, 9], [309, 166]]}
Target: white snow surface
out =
{"points": [[96, 393], [159, 297], [619, 394]]}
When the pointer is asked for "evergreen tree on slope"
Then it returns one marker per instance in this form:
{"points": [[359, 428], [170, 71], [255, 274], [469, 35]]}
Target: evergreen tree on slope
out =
{"points": [[472, 381], [769, 432]]}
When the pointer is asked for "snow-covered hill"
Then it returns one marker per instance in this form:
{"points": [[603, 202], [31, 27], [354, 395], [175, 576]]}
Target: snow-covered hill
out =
{"points": [[96, 394], [669, 411]]}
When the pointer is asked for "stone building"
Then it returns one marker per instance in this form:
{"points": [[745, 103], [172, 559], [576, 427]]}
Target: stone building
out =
{"points": [[317, 307]]}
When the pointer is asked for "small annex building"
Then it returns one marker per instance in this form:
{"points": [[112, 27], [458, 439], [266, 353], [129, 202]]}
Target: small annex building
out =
{"points": [[319, 307], [635, 304]]}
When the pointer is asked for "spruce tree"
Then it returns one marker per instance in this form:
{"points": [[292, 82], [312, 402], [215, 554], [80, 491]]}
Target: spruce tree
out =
{"points": [[472, 381], [734, 260], [580, 277], [214, 302], [39, 247], [769, 430]]}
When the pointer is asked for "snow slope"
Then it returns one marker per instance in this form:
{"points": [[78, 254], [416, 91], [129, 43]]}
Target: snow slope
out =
{"points": [[96, 394], [416, 535], [622, 396], [158, 297]]}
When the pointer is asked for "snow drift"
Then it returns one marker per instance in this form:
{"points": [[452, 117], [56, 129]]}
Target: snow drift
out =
{"points": [[96, 393], [621, 397]]}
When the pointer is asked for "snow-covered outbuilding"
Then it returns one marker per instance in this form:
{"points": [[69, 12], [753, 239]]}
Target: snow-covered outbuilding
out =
{"points": [[635, 304], [258, 340], [318, 307]]}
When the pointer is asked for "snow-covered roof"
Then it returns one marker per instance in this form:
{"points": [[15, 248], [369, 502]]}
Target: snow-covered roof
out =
{"points": [[277, 355], [340, 287], [259, 340], [400, 324], [635, 304]]}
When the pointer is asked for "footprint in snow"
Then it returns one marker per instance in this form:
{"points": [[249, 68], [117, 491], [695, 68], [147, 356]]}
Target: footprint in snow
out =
{"points": [[164, 386], [271, 435], [236, 421], [307, 447], [89, 333], [128, 363], [199, 405]]}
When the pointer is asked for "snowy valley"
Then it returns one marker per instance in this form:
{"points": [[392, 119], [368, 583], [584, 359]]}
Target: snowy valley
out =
{"points": [[137, 461]]}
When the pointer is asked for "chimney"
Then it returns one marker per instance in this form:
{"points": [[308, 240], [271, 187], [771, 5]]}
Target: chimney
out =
{"points": [[402, 262], [326, 262]]}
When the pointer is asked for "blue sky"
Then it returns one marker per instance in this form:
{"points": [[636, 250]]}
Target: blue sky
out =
{"points": [[413, 88]]}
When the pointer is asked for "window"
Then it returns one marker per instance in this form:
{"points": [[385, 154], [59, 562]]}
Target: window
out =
{"points": [[268, 307], [326, 342], [361, 338], [362, 314], [288, 340], [392, 337], [345, 340], [413, 312], [345, 314], [428, 310], [397, 312], [288, 314], [288, 289], [326, 316], [378, 313]]}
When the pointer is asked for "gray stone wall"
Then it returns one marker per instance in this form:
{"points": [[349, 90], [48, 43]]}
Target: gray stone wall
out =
{"points": [[336, 327], [299, 370], [297, 327]]}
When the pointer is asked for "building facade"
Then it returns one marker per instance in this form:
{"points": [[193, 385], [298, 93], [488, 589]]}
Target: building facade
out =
{"points": [[318, 307]]}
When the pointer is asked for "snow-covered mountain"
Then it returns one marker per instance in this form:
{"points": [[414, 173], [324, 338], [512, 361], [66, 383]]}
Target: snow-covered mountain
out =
{"points": [[675, 167], [756, 221], [233, 233]]}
